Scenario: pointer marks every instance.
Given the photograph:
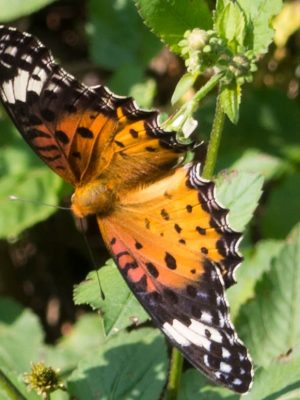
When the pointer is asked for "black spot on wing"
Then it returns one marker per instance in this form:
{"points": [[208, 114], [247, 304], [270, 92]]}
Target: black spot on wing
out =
{"points": [[200, 230], [120, 144], [152, 269], [85, 132], [204, 250], [165, 214], [61, 137], [150, 149], [76, 154], [36, 133], [177, 228], [170, 261], [134, 133]]}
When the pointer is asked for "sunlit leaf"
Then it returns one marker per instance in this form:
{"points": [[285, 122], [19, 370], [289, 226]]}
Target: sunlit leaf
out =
{"points": [[129, 366], [120, 308], [270, 323], [13, 9], [240, 192], [169, 19]]}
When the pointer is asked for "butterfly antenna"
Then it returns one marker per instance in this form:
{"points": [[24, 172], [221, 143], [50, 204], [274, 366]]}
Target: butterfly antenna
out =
{"points": [[92, 259], [16, 198]]}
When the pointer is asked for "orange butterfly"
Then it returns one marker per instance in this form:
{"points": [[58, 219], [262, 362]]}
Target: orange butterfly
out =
{"points": [[160, 220]]}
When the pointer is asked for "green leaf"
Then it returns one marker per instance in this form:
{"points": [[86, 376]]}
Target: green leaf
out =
{"points": [[283, 208], [39, 185], [270, 323], [263, 125], [255, 264], [120, 308], [128, 366], [24, 175], [185, 83], [259, 15], [129, 80], [240, 192], [280, 381], [11, 387], [118, 36], [21, 336], [261, 163], [14, 9], [87, 334], [195, 386], [230, 23], [169, 19], [230, 100]]}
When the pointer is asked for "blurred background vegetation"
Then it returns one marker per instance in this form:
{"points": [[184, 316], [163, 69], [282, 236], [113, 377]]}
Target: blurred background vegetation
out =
{"points": [[42, 251]]}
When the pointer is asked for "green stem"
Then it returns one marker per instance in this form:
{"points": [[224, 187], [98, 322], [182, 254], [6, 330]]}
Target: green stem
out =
{"points": [[188, 108], [8, 388], [174, 375], [213, 81], [214, 141]]}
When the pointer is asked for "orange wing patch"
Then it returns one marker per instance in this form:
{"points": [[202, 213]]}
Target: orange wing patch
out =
{"points": [[173, 218]]}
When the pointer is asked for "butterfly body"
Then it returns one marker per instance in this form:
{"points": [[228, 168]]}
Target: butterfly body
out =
{"points": [[94, 198], [160, 220]]}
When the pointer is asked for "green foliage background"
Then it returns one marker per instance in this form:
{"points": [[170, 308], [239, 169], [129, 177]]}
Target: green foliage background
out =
{"points": [[42, 254]]}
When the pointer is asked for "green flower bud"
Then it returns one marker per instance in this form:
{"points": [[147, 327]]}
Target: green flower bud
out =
{"points": [[197, 39]]}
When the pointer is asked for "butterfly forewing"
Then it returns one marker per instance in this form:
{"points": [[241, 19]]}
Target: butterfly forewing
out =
{"points": [[77, 130]]}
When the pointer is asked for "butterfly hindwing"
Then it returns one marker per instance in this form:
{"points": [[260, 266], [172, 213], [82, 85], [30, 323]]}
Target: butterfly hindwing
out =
{"points": [[173, 246]]}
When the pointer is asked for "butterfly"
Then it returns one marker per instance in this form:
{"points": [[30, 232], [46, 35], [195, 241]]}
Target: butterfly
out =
{"points": [[160, 219]]}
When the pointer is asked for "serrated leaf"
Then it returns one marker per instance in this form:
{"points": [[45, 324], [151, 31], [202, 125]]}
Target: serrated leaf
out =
{"points": [[259, 15], [23, 174], [169, 19], [118, 36], [230, 101], [37, 185], [14, 9], [195, 386], [21, 336], [128, 366], [254, 265], [255, 161], [185, 83], [280, 381], [279, 217], [120, 308], [86, 335], [230, 23], [270, 323], [240, 192]]}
